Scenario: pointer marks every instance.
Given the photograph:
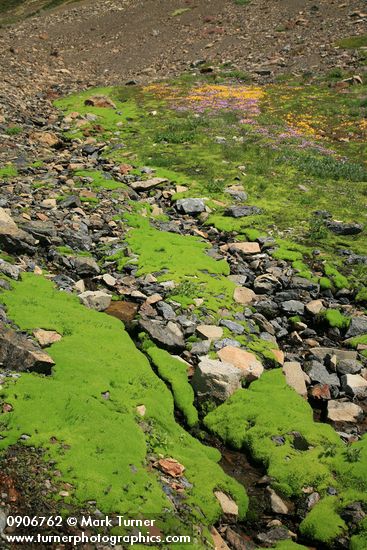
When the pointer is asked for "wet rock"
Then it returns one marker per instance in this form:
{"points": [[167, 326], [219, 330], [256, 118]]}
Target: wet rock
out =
{"points": [[85, 266], [355, 385], [229, 506], [124, 311], [276, 503], [215, 379], [13, 239], [190, 206], [293, 307], [344, 411], [211, 332], [236, 328], [244, 295], [9, 270], [318, 373], [19, 353], [97, 300], [46, 338], [295, 377], [247, 362], [357, 327], [340, 228], [165, 335], [145, 185], [242, 211]]}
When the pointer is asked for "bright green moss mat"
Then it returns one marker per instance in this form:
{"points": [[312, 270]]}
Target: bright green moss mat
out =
{"points": [[309, 454], [183, 259], [100, 445], [336, 319], [174, 372]]}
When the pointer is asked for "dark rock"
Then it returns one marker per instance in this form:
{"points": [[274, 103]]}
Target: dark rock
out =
{"points": [[86, 266], [293, 307], [242, 211], [236, 328], [14, 239], [348, 366], [73, 201], [19, 353], [274, 535], [9, 270], [318, 373], [357, 327], [166, 311], [340, 228], [353, 513]]}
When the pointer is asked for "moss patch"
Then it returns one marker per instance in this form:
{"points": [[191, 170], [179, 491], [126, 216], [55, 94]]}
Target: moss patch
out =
{"points": [[99, 444]]}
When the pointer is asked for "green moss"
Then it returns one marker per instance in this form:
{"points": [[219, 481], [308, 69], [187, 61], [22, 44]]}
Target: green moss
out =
{"points": [[325, 283], [323, 523], [98, 444], [100, 179], [157, 253], [288, 545], [174, 372], [353, 42], [336, 319], [288, 255], [362, 295], [8, 172], [338, 280], [67, 251]]}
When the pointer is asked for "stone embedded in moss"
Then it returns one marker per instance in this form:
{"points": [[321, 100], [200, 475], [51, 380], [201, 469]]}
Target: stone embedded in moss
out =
{"points": [[323, 522]]}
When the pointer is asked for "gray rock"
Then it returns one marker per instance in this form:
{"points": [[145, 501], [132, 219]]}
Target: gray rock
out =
{"points": [[348, 366], [266, 284], [340, 228], [200, 348], [293, 307], [17, 352], [86, 266], [73, 201], [236, 328], [10, 270], [358, 326], [190, 206], [341, 354], [355, 385], [97, 300], [163, 334], [216, 379], [166, 311], [318, 373], [274, 535], [220, 344], [242, 211]]}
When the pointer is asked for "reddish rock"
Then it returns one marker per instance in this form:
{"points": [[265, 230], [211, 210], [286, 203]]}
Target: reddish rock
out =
{"points": [[124, 311]]}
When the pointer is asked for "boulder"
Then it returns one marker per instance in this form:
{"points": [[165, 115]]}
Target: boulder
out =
{"points": [[124, 311], [244, 296], [321, 353], [164, 335], [354, 385], [86, 266], [242, 211], [190, 206], [293, 307], [318, 373], [247, 362], [46, 338], [215, 379], [340, 228], [245, 248], [13, 239], [97, 300], [211, 332], [9, 270], [344, 411], [19, 353]]}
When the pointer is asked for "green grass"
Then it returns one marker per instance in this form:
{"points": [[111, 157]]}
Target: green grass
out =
{"points": [[99, 444], [99, 180], [8, 172], [353, 42]]}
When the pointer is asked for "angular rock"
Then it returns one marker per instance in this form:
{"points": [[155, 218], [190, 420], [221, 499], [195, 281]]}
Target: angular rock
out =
{"points": [[46, 338], [124, 311], [348, 366], [357, 327], [266, 284], [245, 248], [19, 353], [229, 506], [13, 239], [163, 334], [242, 211], [344, 411], [190, 206], [318, 373], [295, 377], [10, 270], [293, 307], [244, 295], [145, 185], [86, 266], [276, 503], [97, 300], [315, 307], [247, 362], [219, 543], [341, 354], [236, 328], [355, 385], [340, 228], [200, 348], [211, 332], [215, 379]]}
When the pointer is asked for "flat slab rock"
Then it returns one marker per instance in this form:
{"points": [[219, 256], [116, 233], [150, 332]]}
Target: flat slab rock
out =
{"points": [[344, 411], [247, 362], [295, 377], [19, 353], [145, 185]]}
